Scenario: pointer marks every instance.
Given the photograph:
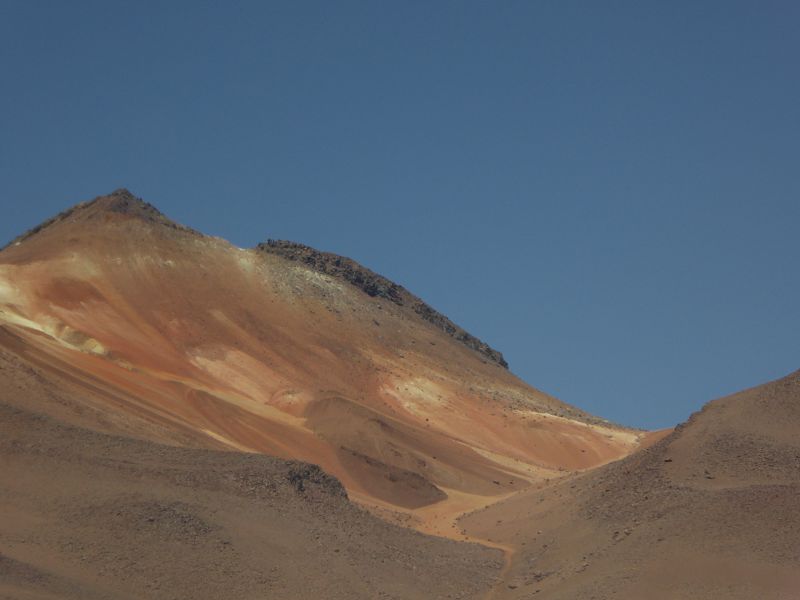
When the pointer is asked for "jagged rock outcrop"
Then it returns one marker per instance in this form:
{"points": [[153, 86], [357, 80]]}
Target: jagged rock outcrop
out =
{"points": [[376, 285]]}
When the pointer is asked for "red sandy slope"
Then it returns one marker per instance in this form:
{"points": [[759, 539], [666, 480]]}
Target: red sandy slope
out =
{"points": [[189, 340]]}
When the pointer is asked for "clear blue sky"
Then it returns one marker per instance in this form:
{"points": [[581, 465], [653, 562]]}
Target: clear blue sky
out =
{"points": [[608, 192]]}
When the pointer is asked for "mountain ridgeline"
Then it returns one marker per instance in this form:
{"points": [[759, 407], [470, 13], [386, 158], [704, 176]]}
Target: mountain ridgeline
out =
{"points": [[123, 202], [378, 286]]}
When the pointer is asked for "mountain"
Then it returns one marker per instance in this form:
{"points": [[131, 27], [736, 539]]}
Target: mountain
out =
{"points": [[709, 512], [183, 418], [185, 339]]}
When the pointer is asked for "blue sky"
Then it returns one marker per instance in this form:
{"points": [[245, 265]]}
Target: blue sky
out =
{"points": [[609, 193]]}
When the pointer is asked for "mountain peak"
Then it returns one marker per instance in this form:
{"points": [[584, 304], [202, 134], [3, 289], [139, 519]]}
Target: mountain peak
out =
{"points": [[122, 200], [123, 207], [119, 202]]}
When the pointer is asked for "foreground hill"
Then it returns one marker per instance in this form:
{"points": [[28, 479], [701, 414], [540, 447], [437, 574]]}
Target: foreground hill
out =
{"points": [[187, 340], [89, 516], [708, 512]]}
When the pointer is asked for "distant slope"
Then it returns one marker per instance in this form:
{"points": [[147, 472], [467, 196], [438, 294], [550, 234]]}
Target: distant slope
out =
{"points": [[88, 516], [184, 339], [709, 512]]}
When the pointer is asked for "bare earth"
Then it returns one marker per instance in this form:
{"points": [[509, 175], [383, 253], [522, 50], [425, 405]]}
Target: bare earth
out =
{"points": [[85, 515], [709, 511], [158, 388]]}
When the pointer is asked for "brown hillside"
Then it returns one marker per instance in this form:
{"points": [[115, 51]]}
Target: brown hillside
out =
{"points": [[709, 511], [89, 516]]}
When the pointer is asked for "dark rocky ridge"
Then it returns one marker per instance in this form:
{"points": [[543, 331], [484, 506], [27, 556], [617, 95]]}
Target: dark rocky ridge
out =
{"points": [[377, 286]]}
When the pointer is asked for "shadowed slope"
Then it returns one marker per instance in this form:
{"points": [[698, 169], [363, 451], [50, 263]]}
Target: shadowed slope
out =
{"points": [[710, 511]]}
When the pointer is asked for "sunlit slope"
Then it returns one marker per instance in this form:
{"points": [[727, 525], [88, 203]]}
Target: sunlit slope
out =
{"points": [[187, 339]]}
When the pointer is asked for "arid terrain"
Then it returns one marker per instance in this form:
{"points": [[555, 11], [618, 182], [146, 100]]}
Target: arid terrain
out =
{"points": [[183, 418], [708, 511]]}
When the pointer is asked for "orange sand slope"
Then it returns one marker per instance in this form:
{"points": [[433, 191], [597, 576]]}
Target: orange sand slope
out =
{"points": [[186, 339], [89, 516]]}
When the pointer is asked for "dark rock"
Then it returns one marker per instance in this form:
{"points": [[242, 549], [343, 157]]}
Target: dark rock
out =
{"points": [[305, 477], [377, 286]]}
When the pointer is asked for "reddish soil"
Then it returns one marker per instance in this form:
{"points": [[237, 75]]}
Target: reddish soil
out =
{"points": [[198, 342]]}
